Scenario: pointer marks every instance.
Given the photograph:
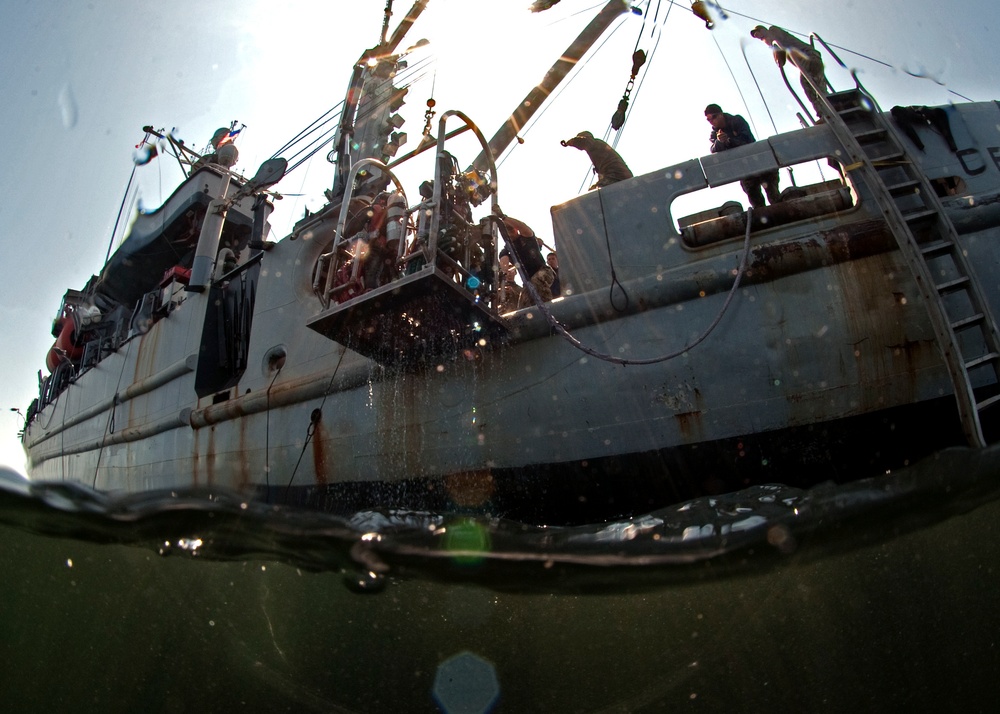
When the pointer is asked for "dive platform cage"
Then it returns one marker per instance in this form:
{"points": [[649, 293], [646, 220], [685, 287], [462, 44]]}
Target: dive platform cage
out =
{"points": [[440, 299]]}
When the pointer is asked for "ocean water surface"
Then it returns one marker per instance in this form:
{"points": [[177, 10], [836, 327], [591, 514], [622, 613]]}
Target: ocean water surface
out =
{"points": [[877, 595]]}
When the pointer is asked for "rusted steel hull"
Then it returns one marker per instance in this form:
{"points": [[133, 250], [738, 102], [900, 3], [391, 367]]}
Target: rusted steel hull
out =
{"points": [[800, 349], [825, 350]]}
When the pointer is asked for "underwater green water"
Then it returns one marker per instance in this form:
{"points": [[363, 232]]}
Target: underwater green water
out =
{"points": [[873, 604]]}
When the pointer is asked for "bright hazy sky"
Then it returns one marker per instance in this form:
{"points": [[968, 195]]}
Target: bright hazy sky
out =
{"points": [[81, 78]]}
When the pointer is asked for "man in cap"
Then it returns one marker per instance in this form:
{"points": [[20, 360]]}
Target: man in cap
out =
{"points": [[730, 131], [609, 166], [523, 248], [804, 56]]}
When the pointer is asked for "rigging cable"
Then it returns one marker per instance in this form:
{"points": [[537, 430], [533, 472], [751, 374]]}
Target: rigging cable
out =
{"points": [[760, 91], [645, 16], [109, 427], [118, 236], [121, 210], [763, 99], [315, 145], [551, 100], [656, 14], [739, 89], [267, 431], [658, 29], [314, 419], [308, 130], [611, 262], [568, 336], [407, 78], [759, 21], [862, 55]]}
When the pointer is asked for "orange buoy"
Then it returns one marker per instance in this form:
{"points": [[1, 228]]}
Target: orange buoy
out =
{"points": [[64, 346]]}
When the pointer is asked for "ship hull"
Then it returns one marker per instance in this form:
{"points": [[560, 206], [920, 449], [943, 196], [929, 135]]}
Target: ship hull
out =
{"points": [[826, 329], [785, 356]]}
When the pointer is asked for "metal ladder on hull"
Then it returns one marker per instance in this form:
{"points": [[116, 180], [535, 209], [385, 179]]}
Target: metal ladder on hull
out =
{"points": [[964, 327]]}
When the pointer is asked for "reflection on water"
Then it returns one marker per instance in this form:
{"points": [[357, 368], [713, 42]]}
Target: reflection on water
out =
{"points": [[875, 595]]}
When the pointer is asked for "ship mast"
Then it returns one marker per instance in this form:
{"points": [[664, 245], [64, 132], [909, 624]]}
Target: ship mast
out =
{"points": [[537, 96], [368, 63], [404, 27], [376, 60]]}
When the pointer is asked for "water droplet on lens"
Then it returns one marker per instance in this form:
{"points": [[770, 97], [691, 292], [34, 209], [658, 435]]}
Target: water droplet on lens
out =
{"points": [[466, 682], [368, 582], [67, 107]]}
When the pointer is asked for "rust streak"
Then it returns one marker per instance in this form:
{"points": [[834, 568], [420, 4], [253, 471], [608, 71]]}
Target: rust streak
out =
{"points": [[319, 454], [689, 424], [195, 458], [210, 458], [856, 240], [244, 459], [470, 488], [912, 352], [140, 368]]}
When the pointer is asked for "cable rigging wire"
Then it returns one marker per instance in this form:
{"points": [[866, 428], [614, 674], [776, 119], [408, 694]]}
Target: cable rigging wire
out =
{"points": [[569, 337], [862, 55], [309, 129], [121, 211], [550, 100], [407, 78], [658, 29], [739, 89]]}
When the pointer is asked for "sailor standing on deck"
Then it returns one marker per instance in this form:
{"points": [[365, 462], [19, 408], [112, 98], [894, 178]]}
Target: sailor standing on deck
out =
{"points": [[523, 248], [804, 56], [553, 260], [608, 164], [730, 131]]}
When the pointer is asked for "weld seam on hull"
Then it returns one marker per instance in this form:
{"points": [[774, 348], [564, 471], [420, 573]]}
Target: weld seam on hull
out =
{"points": [[135, 433], [968, 217], [165, 376], [282, 395], [648, 293], [652, 292]]}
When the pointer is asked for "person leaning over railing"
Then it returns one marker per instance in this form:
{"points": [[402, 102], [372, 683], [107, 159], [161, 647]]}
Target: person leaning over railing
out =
{"points": [[804, 56]]}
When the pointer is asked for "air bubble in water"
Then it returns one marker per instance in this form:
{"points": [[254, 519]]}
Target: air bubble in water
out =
{"points": [[365, 582]]}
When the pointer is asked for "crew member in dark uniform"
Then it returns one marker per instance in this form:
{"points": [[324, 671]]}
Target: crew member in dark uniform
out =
{"points": [[730, 131], [523, 249], [608, 164]]}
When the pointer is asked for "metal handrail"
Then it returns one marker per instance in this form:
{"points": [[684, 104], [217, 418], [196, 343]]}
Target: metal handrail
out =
{"points": [[338, 235], [822, 91], [813, 37], [430, 250]]}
